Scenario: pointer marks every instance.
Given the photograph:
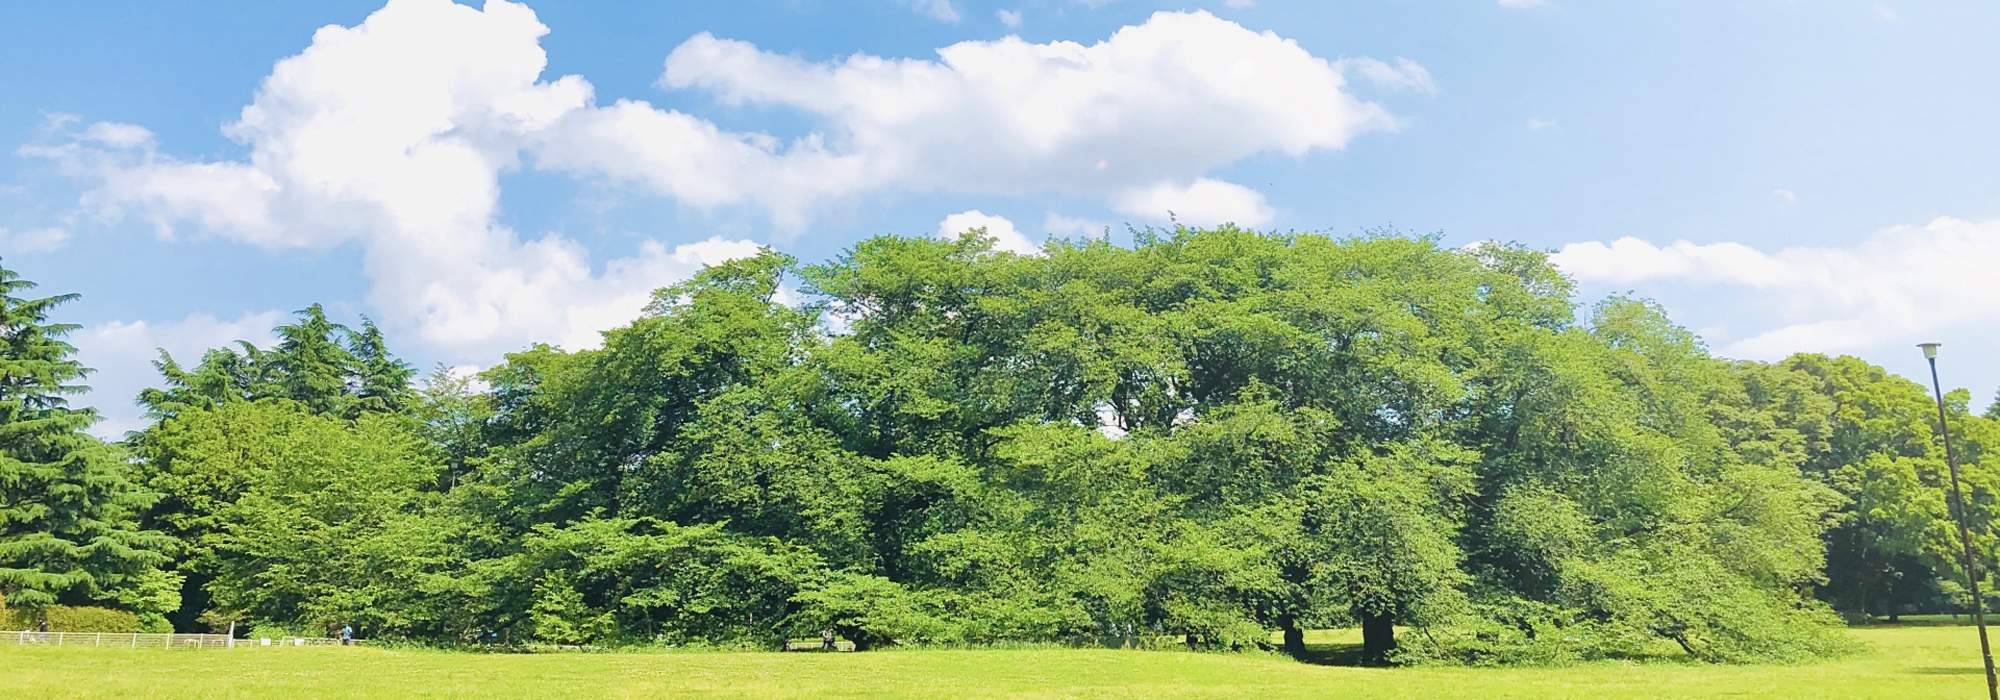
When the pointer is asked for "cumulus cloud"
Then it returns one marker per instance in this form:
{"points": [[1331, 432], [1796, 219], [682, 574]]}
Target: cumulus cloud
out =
{"points": [[1005, 237], [393, 135], [34, 240], [1011, 18], [123, 353], [1899, 283], [1204, 202], [1160, 103]]}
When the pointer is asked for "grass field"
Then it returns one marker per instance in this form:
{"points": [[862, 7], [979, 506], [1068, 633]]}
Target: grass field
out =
{"points": [[1904, 662]]}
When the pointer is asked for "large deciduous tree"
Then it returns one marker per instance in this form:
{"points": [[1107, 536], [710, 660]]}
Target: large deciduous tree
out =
{"points": [[1212, 435]]}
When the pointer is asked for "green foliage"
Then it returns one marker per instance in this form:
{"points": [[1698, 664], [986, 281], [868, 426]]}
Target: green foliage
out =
{"points": [[152, 596], [381, 383], [68, 507], [1208, 436], [869, 610], [71, 618], [327, 367], [311, 518], [613, 580]]}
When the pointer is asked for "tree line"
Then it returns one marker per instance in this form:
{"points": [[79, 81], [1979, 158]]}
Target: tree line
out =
{"points": [[1221, 437]]}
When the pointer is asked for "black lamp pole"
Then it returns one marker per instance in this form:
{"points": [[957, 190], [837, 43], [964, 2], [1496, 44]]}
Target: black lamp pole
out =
{"points": [[1964, 536]]}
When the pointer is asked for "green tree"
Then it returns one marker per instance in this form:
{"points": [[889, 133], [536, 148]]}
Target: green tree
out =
{"points": [[68, 508], [382, 382], [314, 367]]}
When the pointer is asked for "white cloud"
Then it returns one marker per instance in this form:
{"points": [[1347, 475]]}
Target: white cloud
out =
{"points": [[1404, 75], [1901, 282], [1788, 196], [34, 240], [1239, 4], [1884, 13], [1522, 4], [1067, 227], [1006, 116], [1203, 203], [1538, 124], [940, 10], [1011, 18], [1005, 237], [123, 355], [392, 136]]}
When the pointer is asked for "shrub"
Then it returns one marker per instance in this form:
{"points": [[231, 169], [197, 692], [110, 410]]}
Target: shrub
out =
{"points": [[65, 618]]}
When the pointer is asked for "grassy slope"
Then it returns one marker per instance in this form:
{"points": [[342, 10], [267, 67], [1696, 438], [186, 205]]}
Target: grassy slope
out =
{"points": [[1906, 662]]}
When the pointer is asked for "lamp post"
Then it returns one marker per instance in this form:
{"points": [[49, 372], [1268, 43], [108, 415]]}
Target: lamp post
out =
{"points": [[1964, 536]]}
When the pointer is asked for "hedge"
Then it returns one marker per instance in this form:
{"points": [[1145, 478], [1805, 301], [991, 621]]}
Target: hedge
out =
{"points": [[66, 618]]}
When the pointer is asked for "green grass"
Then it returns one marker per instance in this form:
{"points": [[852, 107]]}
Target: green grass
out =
{"points": [[1904, 662]]}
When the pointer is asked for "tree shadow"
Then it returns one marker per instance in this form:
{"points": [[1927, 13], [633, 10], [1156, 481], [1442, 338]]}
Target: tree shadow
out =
{"points": [[1332, 655], [1950, 671]]}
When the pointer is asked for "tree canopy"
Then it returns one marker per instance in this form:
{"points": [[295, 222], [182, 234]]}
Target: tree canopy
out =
{"points": [[69, 508], [1222, 437]]}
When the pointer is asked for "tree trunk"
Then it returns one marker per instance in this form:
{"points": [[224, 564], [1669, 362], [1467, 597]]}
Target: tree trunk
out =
{"points": [[862, 640], [1378, 638], [1295, 638]]}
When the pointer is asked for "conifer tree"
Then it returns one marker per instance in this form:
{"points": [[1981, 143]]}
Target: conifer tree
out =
{"points": [[384, 381], [67, 506], [314, 366]]}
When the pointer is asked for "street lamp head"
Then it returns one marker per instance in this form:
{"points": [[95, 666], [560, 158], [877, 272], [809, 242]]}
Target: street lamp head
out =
{"points": [[1930, 350]]}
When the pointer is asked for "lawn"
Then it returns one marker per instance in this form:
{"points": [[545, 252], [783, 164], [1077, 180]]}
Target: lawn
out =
{"points": [[1904, 662]]}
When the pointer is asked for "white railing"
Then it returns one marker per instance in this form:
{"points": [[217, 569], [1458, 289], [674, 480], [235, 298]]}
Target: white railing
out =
{"points": [[127, 640]]}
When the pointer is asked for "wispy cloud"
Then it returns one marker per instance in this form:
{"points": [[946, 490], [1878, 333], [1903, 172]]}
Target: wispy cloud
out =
{"points": [[34, 240], [1405, 74], [1900, 282], [940, 10]]}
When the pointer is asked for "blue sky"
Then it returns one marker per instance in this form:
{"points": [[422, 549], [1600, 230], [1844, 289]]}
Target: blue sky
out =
{"points": [[1783, 175]]}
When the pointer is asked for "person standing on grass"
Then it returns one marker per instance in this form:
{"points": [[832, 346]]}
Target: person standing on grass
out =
{"points": [[43, 628], [346, 635], [826, 640]]}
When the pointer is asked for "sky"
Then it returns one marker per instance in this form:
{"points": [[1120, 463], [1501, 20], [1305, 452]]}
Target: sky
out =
{"points": [[1782, 175]]}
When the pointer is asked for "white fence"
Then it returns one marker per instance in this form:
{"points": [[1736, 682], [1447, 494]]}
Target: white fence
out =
{"points": [[156, 641]]}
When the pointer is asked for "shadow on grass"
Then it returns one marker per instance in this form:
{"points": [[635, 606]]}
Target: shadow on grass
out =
{"points": [[1950, 671], [1332, 655], [1917, 621]]}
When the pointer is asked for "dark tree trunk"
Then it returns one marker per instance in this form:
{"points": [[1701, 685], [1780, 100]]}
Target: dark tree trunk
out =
{"points": [[1295, 638], [862, 640], [194, 602], [1378, 638]]}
